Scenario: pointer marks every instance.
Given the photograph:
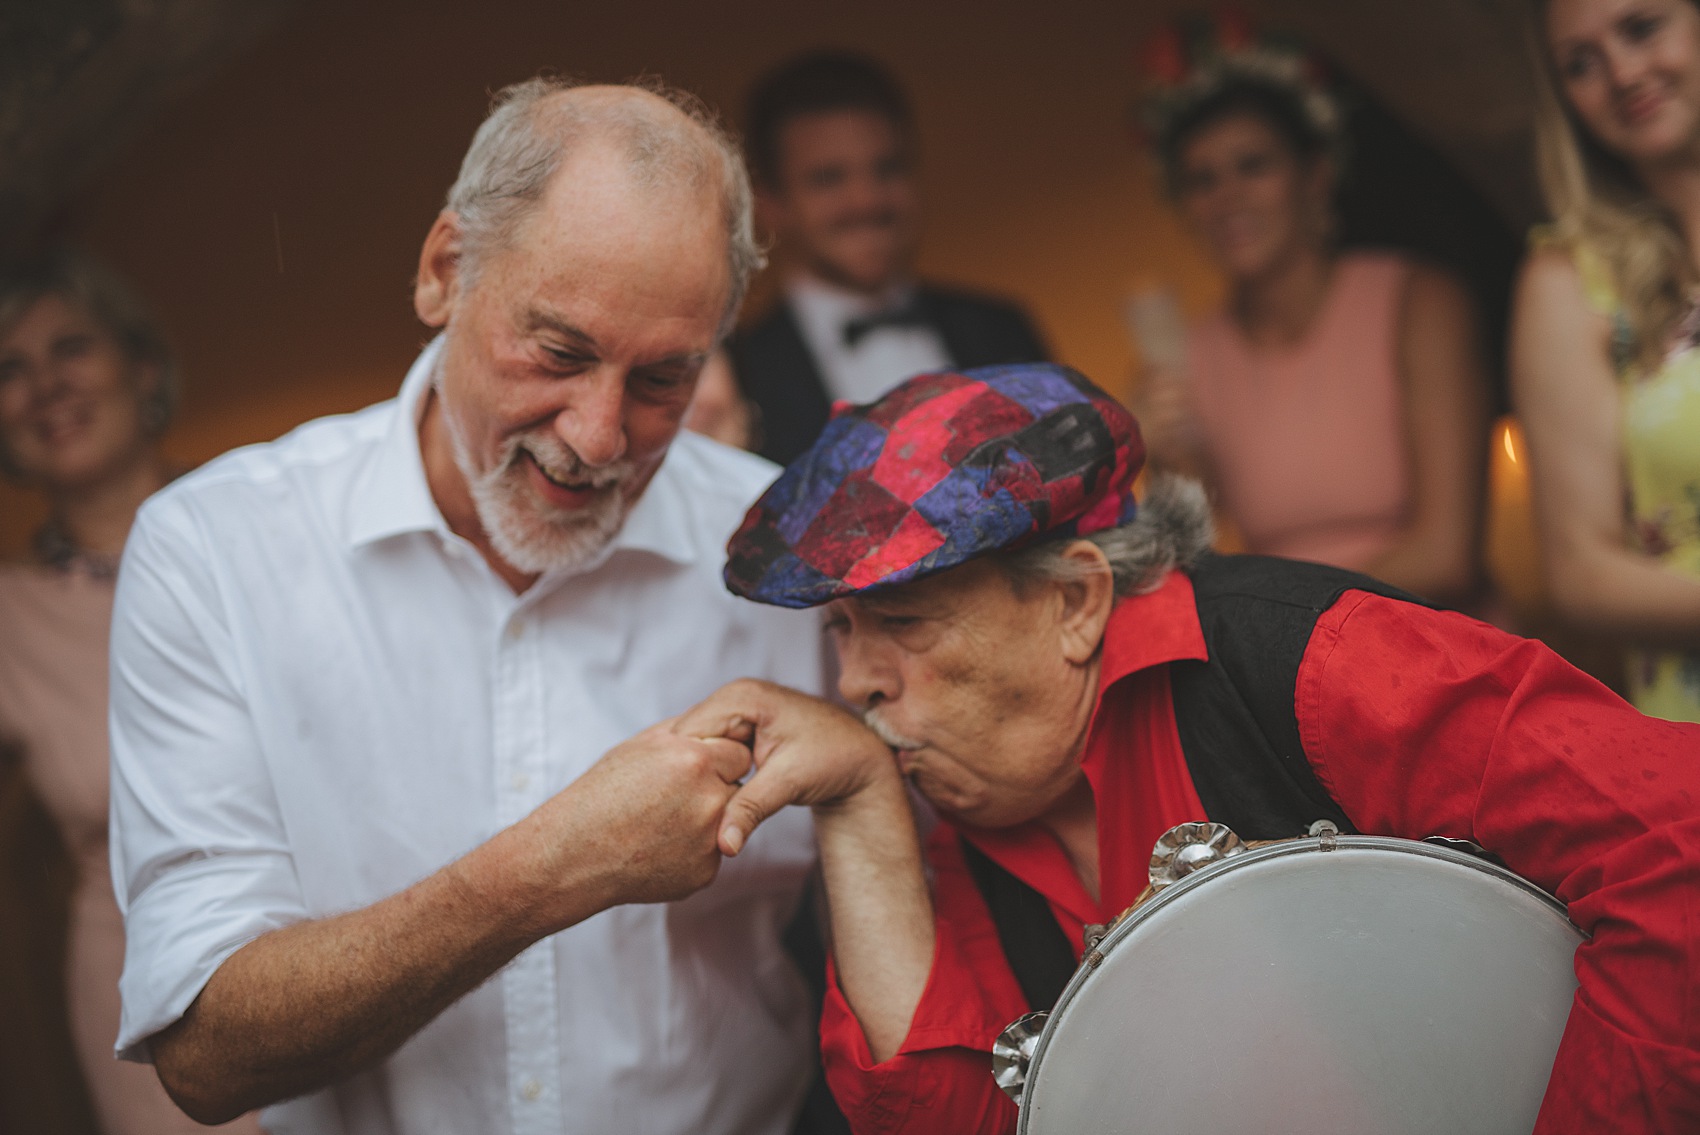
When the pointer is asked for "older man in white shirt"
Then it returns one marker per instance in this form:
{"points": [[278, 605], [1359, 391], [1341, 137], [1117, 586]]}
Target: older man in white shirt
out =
{"points": [[370, 685]]}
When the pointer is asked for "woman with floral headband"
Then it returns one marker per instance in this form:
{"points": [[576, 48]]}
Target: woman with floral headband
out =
{"points": [[86, 389], [1605, 373], [1336, 403]]}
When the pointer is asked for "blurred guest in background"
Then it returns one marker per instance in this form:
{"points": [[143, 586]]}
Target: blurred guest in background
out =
{"points": [[718, 409], [86, 389], [831, 141], [1604, 368], [1336, 404]]}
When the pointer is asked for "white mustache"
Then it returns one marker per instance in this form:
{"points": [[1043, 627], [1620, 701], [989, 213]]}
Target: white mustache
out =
{"points": [[560, 462], [886, 733]]}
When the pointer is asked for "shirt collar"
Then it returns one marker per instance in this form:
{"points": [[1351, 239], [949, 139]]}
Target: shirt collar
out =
{"points": [[394, 497], [1151, 629]]}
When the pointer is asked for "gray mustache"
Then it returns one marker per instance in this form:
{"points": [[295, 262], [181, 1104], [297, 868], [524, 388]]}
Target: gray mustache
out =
{"points": [[886, 733], [559, 462]]}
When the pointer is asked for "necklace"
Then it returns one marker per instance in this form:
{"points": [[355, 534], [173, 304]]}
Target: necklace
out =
{"points": [[54, 547]]}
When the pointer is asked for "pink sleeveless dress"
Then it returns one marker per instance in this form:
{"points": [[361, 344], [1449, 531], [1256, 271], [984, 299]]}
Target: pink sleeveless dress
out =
{"points": [[1308, 442], [53, 631]]}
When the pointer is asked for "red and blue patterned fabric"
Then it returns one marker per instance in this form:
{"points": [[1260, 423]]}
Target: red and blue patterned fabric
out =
{"points": [[944, 468]]}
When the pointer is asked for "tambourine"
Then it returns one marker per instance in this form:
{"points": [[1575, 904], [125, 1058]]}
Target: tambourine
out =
{"points": [[1332, 983]]}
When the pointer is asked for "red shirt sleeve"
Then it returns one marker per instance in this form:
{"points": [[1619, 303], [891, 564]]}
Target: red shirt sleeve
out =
{"points": [[1429, 723], [941, 1079]]}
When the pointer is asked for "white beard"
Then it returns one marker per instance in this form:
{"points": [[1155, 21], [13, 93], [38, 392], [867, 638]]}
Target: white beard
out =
{"points": [[532, 535]]}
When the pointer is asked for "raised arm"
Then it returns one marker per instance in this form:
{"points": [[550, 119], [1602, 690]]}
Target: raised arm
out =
{"points": [[1169, 426], [1443, 388], [813, 753], [1567, 398], [304, 1006]]}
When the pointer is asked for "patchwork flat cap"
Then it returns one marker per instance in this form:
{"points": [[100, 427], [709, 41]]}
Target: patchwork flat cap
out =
{"points": [[944, 468]]}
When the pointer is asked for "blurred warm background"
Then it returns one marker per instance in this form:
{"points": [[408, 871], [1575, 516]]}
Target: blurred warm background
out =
{"points": [[264, 171]]}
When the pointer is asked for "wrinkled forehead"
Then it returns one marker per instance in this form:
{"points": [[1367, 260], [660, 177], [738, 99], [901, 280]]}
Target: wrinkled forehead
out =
{"points": [[600, 194]]}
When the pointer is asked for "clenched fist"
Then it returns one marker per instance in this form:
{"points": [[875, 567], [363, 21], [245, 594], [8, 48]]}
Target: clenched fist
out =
{"points": [[1167, 421], [641, 825]]}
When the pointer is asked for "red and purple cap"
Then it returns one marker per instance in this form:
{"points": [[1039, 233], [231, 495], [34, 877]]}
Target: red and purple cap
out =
{"points": [[944, 468]]}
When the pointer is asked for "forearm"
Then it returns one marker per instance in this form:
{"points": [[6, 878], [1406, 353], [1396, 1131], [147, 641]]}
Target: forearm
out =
{"points": [[302, 1007], [1443, 400], [1441, 569], [880, 912], [1568, 397], [1622, 593]]}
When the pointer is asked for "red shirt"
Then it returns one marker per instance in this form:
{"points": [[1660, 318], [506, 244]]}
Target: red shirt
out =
{"points": [[1417, 723]]}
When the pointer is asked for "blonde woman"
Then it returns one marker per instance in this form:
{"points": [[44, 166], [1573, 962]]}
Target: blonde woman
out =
{"points": [[1605, 372]]}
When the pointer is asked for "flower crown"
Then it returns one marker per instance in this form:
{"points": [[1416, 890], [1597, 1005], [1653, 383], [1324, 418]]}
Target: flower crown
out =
{"points": [[1190, 60]]}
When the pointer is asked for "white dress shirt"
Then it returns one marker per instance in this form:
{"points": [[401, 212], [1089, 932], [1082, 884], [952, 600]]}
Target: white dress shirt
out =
{"points": [[881, 359], [321, 695]]}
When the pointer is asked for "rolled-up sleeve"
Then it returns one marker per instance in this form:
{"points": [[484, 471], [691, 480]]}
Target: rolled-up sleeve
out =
{"points": [[940, 1079], [200, 862], [1424, 723]]}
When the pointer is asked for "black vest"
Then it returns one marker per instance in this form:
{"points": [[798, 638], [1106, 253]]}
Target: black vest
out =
{"points": [[1238, 729]]}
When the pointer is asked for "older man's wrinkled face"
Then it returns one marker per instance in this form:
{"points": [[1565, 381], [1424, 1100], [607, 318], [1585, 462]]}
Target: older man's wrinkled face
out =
{"points": [[571, 358], [976, 685]]}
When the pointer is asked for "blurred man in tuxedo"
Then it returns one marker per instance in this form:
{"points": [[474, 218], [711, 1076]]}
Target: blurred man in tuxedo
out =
{"points": [[831, 142]]}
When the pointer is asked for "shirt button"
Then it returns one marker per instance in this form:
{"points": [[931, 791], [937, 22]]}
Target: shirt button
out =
{"points": [[531, 1090], [520, 782]]}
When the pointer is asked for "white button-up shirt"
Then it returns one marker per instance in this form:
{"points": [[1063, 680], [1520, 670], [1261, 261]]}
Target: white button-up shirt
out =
{"points": [[321, 695], [880, 360]]}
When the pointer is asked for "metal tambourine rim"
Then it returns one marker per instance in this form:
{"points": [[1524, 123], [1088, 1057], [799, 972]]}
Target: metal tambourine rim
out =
{"points": [[1304, 845]]}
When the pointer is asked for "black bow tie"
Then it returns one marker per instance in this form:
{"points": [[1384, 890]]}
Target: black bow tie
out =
{"points": [[908, 315]]}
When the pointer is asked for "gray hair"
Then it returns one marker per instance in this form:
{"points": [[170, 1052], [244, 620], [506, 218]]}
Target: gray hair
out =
{"points": [[82, 280], [529, 132], [1171, 530]]}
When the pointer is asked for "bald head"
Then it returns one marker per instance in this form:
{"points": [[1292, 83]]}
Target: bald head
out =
{"points": [[668, 142]]}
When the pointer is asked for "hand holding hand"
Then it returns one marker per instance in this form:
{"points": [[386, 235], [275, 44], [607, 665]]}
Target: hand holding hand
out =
{"points": [[1163, 405], [646, 815], [807, 751]]}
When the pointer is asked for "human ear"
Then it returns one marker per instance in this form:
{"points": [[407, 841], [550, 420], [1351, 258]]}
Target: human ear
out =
{"points": [[1086, 601], [437, 285]]}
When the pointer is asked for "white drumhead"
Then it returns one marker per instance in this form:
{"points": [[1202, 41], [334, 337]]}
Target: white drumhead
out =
{"points": [[1386, 986]]}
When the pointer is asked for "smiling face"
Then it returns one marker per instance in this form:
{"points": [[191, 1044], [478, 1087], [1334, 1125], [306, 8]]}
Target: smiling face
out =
{"points": [[570, 360], [1630, 69], [1249, 196], [984, 689], [71, 399], [845, 197]]}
